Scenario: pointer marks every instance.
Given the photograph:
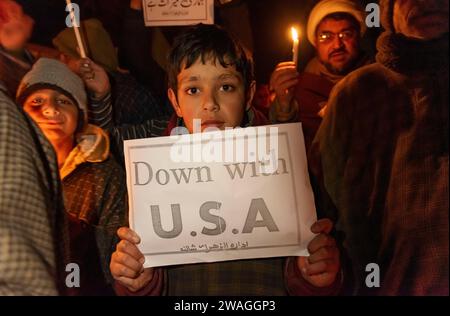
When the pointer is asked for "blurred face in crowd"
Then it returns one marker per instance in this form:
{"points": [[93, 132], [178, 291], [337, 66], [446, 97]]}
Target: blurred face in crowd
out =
{"points": [[262, 96], [212, 93], [15, 26], [337, 45], [55, 113], [424, 20]]}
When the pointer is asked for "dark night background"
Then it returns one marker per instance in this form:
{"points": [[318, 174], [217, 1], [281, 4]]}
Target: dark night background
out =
{"points": [[262, 25]]}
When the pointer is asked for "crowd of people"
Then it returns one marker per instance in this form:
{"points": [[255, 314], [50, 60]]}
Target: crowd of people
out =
{"points": [[375, 127]]}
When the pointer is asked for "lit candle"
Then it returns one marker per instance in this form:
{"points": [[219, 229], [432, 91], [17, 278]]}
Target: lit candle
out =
{"points": [[295, 41], [76, 29]]}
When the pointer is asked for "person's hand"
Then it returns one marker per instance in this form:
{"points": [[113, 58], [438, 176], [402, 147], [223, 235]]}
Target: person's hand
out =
{"points": [[94, 76], [16, 27], [322, 266], [283, 82], [127, 262]]}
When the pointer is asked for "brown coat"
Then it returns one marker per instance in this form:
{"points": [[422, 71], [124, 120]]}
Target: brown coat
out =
{"points": [[382, 156]]}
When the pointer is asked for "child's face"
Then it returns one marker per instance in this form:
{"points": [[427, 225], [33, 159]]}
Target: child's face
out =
{"points": [[15, 33], [55, 113], [211, 93]]}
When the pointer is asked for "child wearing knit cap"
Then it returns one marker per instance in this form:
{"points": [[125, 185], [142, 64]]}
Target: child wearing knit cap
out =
{"points": [[93, 184]]}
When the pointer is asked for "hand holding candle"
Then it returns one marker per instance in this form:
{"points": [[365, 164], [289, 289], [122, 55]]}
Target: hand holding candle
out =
{"points": [[284, 80]]}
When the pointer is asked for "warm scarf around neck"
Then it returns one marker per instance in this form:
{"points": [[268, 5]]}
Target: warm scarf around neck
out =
{"points": [[407, 56], [92, 146], [318, 68]]}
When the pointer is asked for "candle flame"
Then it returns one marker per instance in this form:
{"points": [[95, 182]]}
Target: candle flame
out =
{"points": [[294, 34]]}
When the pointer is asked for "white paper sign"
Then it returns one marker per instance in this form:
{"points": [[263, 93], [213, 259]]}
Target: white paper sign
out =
{"points": [[216, 196], [178, 12]]}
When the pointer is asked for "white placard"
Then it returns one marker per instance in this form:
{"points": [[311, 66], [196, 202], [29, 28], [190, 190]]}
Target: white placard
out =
{"points": [[178, 12], [217, 196]]}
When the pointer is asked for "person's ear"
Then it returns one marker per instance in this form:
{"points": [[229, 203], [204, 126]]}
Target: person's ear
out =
{"points": [[173, 100], [250, 94]]}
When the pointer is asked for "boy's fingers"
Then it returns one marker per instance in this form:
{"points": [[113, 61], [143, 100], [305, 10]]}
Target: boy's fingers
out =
{"points": [[324, 225], [130, 249], [324, 253], [127, 282], [325, 266], [119, 270], [127, 260], [320, 241], [128, 234], [135, 284]]}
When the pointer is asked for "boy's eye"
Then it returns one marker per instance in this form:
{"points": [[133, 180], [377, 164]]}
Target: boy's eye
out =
{"points": [[64, 102], [192, 91], [227, 88], [37, 101]]}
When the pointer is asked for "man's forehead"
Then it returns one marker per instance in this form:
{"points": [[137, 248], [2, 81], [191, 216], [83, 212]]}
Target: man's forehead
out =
{"points": [[334, 25]]}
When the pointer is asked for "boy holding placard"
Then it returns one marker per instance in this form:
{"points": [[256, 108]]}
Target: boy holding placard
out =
{"points": [[211, 79]]}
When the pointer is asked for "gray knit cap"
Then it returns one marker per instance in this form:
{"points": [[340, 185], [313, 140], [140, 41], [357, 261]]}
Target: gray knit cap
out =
{"points": [[53, 73]]}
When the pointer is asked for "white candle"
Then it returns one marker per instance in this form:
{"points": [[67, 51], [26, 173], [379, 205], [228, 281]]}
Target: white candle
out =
{"points": [[295, 45], [76, 29]]}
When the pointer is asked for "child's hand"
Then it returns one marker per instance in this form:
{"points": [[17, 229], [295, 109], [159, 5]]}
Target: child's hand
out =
{"points": [[94, 76], [322, 266], [127, 262]]}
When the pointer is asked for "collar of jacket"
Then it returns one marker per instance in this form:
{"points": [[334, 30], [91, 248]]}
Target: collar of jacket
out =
{"points": [[412, 57], [92, 146]]}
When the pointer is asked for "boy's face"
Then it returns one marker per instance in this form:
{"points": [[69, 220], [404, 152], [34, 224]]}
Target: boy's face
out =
{"points": [[55, 114], [211, 93]]}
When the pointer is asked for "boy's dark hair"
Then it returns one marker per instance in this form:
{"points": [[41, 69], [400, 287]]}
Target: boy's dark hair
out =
{"points": [[339, 16], [208, 41]]}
